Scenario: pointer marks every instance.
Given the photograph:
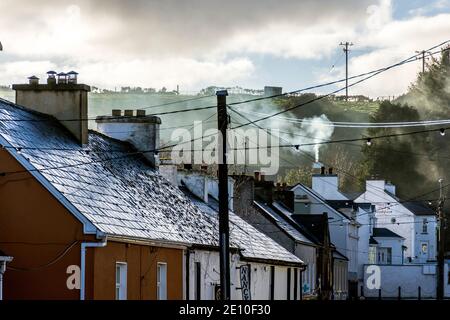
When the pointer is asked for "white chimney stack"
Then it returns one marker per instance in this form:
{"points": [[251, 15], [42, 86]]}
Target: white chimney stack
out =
{"points": [[141, 131]]}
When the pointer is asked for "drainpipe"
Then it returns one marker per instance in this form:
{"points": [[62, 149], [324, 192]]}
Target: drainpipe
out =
{"points": [[3, 261], [85, 245]]}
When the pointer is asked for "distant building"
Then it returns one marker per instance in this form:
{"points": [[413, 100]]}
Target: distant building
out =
{"points": [[272, 91]]}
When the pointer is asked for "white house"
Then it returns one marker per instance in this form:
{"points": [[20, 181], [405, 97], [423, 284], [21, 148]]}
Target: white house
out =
{"points": [[343, 226], [260, 268], [412, 221]]}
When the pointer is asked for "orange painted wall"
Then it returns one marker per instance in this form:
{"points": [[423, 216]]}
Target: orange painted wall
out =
{"points": [[141, 270], [35, 229]]}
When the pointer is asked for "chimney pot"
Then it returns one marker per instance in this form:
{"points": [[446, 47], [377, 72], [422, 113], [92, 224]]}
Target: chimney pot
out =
{"points": [[33, 80], [128, 113], [62, 78], [72, 77], [140, 113], [51, 79], [116, 112]]}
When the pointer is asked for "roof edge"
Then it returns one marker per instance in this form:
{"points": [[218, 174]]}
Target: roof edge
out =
{"points": [[88, 226]]}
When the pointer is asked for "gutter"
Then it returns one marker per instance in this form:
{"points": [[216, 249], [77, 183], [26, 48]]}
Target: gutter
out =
{"points": [[3, 261], [85, 245]]}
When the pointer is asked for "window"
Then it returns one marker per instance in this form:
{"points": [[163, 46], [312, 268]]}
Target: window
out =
{"points": [[372, 255], [384, 255], [288, 284], [425, 226], [295, 283], [448, 274], [121, 281], [198, 292], [272, 283], [161, 281], [424, 248]]}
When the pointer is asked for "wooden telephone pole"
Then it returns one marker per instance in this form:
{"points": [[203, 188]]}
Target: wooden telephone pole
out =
{"points": [[346, 50], [224, 228], [423, 52], [441, 244]]}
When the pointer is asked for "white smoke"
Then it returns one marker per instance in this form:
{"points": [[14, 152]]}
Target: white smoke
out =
{"points": [[315, 130], [309, 131]]}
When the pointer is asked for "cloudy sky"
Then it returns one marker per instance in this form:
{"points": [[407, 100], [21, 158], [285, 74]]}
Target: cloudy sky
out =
{"points": [[196, 43]]}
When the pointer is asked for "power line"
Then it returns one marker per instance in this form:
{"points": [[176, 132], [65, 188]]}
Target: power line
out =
{"points": [[371, 75], [261, 119], [348, 124], [409, 60]]}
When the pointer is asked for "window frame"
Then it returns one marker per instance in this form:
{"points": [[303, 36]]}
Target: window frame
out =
{"points": [[121, 270], [159, 295], [425, 226]]}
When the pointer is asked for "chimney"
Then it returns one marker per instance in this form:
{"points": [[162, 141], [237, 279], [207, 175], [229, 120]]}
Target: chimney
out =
{"points": [[316, 167], [72, 77], [62, 78], [141, 131], [169, 171], [61, 100], [51, 77], [389, 187], [33, 80], [327, 185]]}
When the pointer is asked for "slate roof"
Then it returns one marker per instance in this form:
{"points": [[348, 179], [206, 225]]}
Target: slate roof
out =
{"points": [[124, 197], [283, 222], [253, 243], [321, 199], [419, 208], [384, 233], [315, 223]]}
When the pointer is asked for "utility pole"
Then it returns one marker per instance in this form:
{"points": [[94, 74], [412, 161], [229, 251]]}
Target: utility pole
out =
{"points": [[441, 244], [224, 229], [423, 59], [346, 50]]}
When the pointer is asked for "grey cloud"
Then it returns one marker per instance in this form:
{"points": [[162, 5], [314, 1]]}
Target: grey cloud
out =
{"points": [[180, 27]]}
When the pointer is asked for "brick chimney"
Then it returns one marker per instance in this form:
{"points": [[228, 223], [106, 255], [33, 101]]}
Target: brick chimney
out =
{"points": [[140, 130], [64, 101]]}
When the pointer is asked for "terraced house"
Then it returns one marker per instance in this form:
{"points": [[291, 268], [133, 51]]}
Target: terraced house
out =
{"points": [[86, 214]]}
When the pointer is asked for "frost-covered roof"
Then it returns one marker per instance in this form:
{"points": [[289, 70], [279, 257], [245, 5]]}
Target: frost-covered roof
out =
{"points": [[124, 197], [253, 243]]}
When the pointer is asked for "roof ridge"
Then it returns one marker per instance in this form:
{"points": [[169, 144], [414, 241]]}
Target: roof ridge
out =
{"points": [[23, 108]]}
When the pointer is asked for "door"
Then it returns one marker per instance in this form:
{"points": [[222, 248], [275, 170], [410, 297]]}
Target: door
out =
{"points": [[424, 250]]}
